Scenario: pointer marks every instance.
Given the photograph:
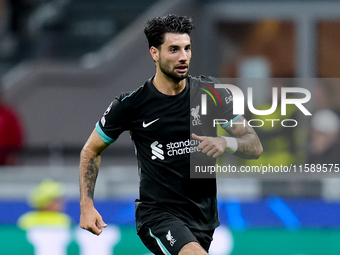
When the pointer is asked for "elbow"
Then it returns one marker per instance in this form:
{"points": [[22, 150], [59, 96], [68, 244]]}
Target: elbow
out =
{"points": [[258, 151], [86, 153], [83, 152]]}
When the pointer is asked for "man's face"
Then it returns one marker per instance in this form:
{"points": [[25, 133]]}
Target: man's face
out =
{"points": [[174, 56]]}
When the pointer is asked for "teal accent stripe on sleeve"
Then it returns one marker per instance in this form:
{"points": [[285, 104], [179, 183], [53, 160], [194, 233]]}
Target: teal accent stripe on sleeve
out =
{"points": [[233, 120], [133, 92], [161, 246], [103, 136]]}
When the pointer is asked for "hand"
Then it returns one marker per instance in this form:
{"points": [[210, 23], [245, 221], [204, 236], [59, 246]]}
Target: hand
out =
{"points": [[92, 221], [212, 146]]}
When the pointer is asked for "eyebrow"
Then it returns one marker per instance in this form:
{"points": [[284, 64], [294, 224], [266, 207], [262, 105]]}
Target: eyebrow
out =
{"points": [[176, 46]]}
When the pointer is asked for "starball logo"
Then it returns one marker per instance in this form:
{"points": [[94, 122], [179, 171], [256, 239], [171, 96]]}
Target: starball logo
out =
{"points": [[156, 150], [238, 100]]}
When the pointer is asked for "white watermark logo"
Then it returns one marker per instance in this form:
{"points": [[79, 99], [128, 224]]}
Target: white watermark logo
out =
{"points": [[238, 100], [257, 122]]}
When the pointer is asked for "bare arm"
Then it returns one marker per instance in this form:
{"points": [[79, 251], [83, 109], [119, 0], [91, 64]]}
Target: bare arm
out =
{"points": [[249, 145], [90, 157]]}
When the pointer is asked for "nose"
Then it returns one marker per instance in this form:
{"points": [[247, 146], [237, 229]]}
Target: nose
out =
{"points": [[183, 55]]}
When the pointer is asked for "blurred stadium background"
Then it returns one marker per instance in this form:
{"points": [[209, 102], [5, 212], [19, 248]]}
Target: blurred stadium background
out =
{"points": [[63, 61]]}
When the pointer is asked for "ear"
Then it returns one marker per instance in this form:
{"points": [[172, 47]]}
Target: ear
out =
{"points": [[154, 53]]}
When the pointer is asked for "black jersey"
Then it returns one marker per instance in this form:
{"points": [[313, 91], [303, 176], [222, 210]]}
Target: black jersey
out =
{"points": [[160, 127]]}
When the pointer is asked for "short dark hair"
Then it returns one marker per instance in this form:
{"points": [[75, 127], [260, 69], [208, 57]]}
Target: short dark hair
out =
{"points": [[156, 28]]}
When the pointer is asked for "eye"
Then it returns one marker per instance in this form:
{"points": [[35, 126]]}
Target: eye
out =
{"points": [[188, 48], [173, 49]]}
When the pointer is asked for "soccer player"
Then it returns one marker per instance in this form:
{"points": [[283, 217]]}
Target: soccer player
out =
{"points": [[175, 214]]}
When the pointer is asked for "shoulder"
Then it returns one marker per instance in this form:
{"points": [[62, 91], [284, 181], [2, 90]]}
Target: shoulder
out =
{"points": [[43, 218], [27, 220], [24, 218], [126, 96], [135, 94], [202, 80], [126, 100]]}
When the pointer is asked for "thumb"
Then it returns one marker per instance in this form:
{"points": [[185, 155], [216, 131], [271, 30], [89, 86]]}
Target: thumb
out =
{"points": [[197, 137], [102, 223]]}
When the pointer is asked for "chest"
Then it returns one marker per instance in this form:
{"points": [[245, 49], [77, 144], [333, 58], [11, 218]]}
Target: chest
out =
{"points": [[161, 120], [170, 121]]}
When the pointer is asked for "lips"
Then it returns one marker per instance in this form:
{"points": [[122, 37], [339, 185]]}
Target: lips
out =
{"points": [[182, 68]]}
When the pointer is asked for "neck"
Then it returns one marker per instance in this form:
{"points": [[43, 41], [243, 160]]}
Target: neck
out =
{"points": [[168, 86]]}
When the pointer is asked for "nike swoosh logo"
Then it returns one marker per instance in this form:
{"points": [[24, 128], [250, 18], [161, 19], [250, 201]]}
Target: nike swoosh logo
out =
{"points": [[145, 125]]}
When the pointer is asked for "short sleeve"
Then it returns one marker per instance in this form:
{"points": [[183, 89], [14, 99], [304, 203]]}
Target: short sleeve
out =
{"points": [[113, 122]]}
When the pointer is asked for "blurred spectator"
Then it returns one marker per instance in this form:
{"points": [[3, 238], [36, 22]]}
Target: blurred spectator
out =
{"points": [[11, 134], [322, 94], [325, 139], [48, 228], [326, 92]]}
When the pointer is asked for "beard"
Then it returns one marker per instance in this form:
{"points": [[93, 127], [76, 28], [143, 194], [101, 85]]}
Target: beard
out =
{"points": [[171, 73]]}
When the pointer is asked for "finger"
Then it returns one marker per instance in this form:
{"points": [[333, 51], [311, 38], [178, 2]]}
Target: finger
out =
{"points": [[102, 223], [205, 147], [218, 153], [95, 229], [197, 137], [99, 229], [211, 152]]}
